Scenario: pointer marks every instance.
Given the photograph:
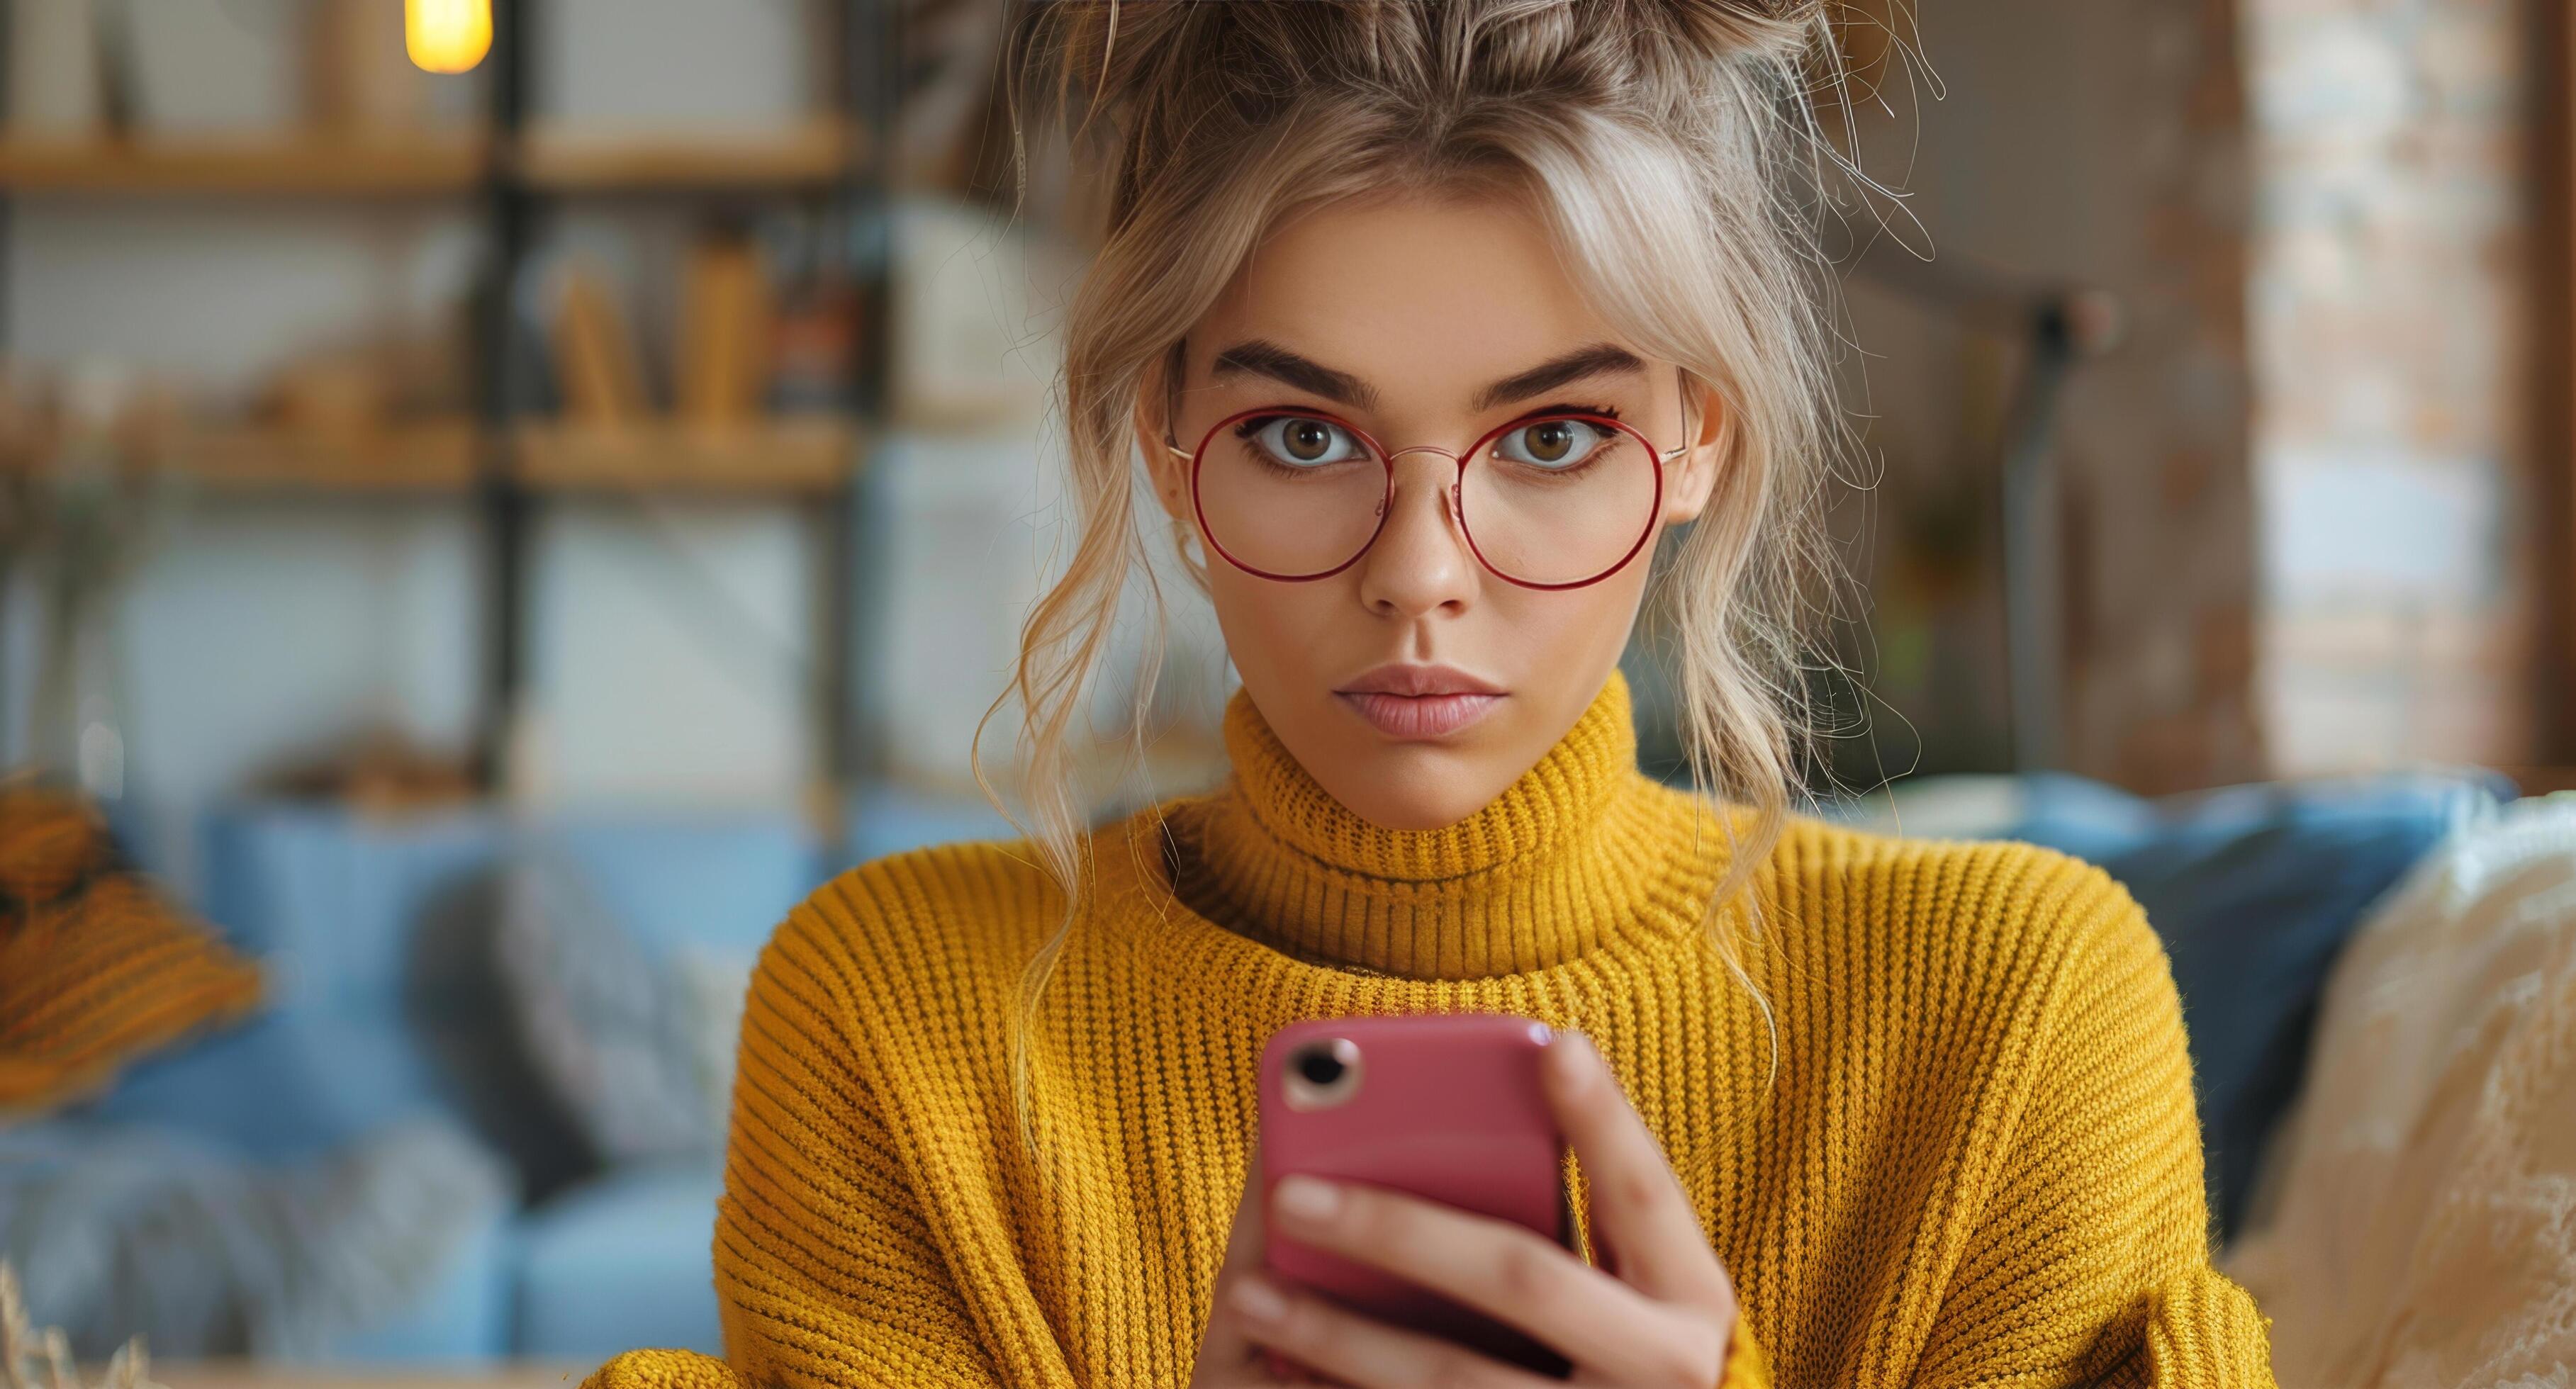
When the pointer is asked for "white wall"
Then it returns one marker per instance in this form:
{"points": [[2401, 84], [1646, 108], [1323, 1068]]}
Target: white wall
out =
{"points": [[703, 63], [670, 650]]}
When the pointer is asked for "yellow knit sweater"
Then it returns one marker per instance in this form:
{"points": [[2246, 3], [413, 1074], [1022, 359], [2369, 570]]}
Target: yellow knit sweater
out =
{"points": [[1977, 1162]]}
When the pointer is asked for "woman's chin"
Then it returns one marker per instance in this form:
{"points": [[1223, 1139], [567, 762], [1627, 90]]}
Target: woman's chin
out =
{"points": [[1418, 786]]}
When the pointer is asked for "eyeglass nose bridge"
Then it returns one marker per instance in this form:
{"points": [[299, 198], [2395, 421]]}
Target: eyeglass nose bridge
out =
{"points": [[1457, 500]]}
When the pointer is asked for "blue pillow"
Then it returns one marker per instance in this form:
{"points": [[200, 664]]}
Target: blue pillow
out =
{"points": [[2254, 890]]}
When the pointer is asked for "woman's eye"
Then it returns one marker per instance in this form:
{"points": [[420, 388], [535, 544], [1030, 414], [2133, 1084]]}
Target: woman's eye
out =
{"points": [[1551, 443], [1306, 443]]}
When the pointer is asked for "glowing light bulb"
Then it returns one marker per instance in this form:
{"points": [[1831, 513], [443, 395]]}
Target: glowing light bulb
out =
{"points": [[447, 35]]}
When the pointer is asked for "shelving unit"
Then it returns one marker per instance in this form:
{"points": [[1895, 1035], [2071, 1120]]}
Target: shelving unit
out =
{"points": [[429, 457], [373, 166], [787, 455], [510, 463], [436, 457], [836, 156], [812, 157], [561, 159]]}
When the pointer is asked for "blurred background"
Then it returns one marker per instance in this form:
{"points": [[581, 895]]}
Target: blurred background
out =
{"points": [[500, 498]]}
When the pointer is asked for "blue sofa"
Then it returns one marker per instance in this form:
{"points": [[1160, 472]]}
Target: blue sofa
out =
{"points": [[373, 926], [373, 930]]}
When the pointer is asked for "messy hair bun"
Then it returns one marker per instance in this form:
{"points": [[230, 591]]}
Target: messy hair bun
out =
{"points": [[1734, 30], [1668, 148], [1122, 63]]}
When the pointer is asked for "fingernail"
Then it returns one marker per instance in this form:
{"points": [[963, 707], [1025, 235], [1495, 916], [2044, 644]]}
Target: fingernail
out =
{"points": [[1306, 1198], [1258, 1300]]}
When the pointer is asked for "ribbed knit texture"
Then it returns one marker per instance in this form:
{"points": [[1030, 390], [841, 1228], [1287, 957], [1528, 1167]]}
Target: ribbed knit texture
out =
{"points": [[98, 968], [1977, 1162]]}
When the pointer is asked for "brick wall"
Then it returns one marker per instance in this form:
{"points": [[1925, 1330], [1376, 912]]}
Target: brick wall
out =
{"points": [[2387, 302]]}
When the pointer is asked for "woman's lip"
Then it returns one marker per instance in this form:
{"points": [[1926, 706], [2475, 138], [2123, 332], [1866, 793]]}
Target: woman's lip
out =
{"points": [[1419, 716]]}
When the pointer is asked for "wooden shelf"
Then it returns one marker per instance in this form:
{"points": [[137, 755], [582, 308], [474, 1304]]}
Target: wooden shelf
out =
{"points": [[790, 454], [570, 159], [441, 456], [557, 158], [786, 455], [367, 166]]}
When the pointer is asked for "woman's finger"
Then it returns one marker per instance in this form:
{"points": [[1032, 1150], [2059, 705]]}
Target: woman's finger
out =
{"points": [[1243, 1241], [1638, 1208], [1508, 1272], [1359, 1351]]}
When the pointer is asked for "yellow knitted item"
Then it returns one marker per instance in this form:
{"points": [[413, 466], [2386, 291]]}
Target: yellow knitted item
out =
{"points": [[97, 968], [1977, 1162]]}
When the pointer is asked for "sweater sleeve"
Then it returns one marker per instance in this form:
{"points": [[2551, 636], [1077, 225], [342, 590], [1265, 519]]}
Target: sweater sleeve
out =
{"points": [[2089, 1260], [825, 1272]]}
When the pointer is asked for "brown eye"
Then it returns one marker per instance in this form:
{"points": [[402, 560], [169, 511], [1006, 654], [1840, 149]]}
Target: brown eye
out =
{"points": [[1304, 443], [1552, 443], [1307, 440]]}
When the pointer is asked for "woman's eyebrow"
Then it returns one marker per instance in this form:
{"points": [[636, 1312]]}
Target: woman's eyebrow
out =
{"points": [[1261, 357]]}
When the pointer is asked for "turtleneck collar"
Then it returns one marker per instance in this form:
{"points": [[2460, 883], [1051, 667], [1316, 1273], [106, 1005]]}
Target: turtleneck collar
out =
{"points": [[1575, 852]]}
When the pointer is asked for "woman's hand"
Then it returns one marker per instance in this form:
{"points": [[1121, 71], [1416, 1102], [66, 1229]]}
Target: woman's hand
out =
{"points": [[1658, 1310]]}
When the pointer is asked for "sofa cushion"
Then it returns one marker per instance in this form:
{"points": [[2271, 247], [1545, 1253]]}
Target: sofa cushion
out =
{"points": [[625, 947], [709, 881], [289, 1085], [340, 900], [637, 1051], [462, 1320], [886, 817], [376, 931], [621, 1262]]}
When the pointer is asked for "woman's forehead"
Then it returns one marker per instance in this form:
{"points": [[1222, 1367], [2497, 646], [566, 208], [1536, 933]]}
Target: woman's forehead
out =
{"points": [[1407, 271]]}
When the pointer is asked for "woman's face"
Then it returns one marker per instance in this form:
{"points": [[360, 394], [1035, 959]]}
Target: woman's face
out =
{"points": [[1403, 318]]}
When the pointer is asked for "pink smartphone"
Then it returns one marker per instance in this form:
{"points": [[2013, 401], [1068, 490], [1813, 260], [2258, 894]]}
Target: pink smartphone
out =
{"points": [[1442, 1106]]}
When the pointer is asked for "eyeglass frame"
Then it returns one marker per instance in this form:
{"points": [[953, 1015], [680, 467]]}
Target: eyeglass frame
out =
{"points": [[1457, 488]]}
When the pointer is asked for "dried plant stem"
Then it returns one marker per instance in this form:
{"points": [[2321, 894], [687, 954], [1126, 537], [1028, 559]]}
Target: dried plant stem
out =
{"points": [[126, 1369], [15, 1333], [19, 1342]]}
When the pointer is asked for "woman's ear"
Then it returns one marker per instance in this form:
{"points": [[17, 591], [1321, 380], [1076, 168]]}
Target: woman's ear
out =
{"points": [[1168, 472], [1691, 478]]}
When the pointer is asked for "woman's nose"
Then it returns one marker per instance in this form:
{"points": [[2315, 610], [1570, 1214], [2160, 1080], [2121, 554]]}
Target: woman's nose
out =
{"points": [[1420, 561]]}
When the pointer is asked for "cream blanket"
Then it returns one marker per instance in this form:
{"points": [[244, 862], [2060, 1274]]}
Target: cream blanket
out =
{"points": [[2416, 1225]]}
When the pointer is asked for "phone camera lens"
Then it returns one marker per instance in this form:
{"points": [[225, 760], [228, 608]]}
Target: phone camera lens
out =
{"points": [[1322, 1074]]}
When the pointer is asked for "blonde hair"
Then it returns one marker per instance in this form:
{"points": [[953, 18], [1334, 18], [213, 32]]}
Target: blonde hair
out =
{"points": [[1669, 147]]}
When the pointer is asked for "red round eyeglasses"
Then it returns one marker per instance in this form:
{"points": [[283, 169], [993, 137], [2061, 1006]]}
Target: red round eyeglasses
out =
{"points": [[1551, 501]]}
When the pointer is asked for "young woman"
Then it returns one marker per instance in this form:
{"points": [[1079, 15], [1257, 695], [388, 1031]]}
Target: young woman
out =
{"points": [[1432, 322]]}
